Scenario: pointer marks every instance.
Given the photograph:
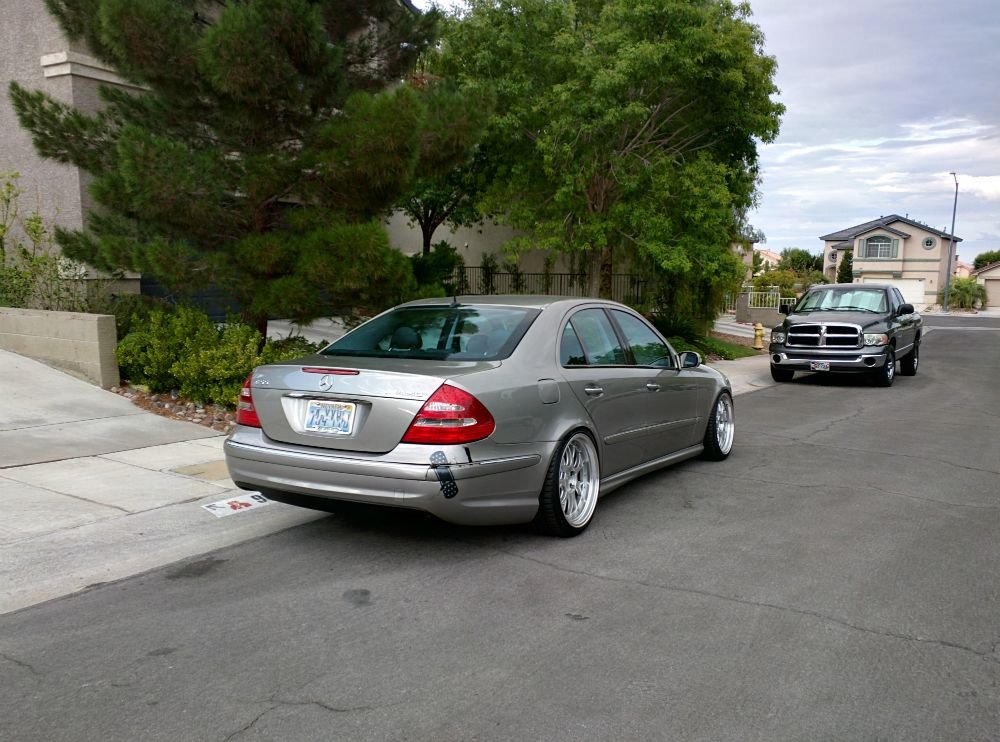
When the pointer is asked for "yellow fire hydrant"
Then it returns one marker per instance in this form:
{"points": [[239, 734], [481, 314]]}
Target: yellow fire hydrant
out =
{"points": [[758, 336]]}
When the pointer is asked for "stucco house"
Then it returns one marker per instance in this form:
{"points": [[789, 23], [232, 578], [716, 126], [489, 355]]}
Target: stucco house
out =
{"points": [[894, 249], [989, 276], [37, 55]]}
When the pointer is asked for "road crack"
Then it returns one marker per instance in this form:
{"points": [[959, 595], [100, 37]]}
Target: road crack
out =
{"points": [[985, 655], [19, 663]]}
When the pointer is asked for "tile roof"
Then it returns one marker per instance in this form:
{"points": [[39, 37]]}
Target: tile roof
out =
{"points": [[985, 268], [883, 222]]}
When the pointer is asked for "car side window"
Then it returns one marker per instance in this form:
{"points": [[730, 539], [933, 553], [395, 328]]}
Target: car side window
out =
{"points": [[570, 350], [597, 337], [898, 299], [645, 344]]}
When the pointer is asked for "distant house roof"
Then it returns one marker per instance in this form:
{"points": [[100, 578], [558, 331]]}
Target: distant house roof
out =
{"points": [[883, 222], [986, 268]]}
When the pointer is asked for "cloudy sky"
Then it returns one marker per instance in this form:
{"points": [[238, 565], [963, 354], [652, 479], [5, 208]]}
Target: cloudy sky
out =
{"points": [[884, 98]]}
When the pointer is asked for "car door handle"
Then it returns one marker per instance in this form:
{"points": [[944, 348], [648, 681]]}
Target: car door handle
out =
{"points": [[593, 390], [653, 387]]}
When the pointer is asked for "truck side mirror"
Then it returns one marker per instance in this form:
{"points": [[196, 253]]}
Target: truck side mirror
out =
{"points": [[784, 308], [904, 309]]}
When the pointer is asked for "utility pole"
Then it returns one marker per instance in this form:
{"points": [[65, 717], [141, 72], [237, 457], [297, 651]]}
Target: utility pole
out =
{"points": [[951, 246]]}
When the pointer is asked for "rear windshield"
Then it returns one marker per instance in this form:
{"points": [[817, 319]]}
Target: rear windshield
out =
{"points": [[446, 332]]}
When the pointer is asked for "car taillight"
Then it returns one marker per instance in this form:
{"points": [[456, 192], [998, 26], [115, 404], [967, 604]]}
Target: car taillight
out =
{"points": [[450, 416], [245, 412]]}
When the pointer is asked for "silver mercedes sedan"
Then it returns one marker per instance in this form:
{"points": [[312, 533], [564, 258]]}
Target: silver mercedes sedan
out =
{"points": [[480, 410]]}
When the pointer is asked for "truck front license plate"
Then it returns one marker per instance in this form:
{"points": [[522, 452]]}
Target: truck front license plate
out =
{"points": [[819, 365]]}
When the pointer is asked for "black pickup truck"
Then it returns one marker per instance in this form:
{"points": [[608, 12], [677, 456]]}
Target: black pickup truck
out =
{"points": [[848, 328]]}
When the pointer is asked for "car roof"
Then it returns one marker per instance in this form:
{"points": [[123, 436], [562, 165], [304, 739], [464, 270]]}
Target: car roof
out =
{"points": [[511, 300]]}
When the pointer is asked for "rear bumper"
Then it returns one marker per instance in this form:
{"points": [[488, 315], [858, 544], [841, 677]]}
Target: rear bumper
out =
{"points": [[854, 361], [492, 491]]}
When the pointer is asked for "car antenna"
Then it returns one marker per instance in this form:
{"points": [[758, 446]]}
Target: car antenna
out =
{"points": [[454, 300]]}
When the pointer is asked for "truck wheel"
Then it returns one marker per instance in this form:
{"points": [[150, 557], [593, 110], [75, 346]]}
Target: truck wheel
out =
{"points": [[908, 363], [781, 374], [884, 376]]}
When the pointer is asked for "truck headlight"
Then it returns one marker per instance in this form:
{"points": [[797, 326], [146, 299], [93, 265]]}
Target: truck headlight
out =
{"points": [[777, 336], [874, 338]]}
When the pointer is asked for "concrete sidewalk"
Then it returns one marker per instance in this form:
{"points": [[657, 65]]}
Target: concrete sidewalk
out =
{"points": [[94, 489]]}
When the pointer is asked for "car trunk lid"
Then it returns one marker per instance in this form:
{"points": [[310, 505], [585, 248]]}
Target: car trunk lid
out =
{"points": [[348, 404]]}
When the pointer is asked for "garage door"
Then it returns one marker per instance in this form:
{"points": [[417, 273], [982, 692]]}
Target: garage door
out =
{"points": [[912, 289], [993, 293]]}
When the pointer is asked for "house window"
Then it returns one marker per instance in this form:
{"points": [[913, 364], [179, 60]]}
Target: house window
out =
{"points": [[878, 247], [833, 256], [929, 243]]}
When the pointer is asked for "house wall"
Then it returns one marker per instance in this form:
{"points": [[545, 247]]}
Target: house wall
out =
{"points": [[990, 278], [37, 56], [26, 34], [472, 243]]}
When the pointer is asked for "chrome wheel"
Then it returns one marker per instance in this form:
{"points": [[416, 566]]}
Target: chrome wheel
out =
{"points": [[720, 432], [725, 424], [579, 480]]}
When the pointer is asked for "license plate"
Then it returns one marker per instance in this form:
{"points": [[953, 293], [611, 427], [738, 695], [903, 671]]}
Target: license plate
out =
{"points": [[330, 418], [819, 365]]}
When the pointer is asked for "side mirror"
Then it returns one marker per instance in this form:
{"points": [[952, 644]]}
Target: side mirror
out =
{"points": [[690, 359], [905, 309], [784, 309]]}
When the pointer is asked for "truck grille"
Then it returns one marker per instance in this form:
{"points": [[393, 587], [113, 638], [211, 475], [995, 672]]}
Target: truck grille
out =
{"points": [[824, 336]]}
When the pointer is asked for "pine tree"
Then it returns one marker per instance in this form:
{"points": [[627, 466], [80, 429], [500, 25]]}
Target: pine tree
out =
{"points": [[269, 137], [845, 271]]}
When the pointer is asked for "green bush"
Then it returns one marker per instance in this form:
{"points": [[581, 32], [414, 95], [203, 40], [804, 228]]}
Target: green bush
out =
{"points": [[294, 346], [180, 349], [435, 269], [964, 293], [213, 372], [148, 353]]}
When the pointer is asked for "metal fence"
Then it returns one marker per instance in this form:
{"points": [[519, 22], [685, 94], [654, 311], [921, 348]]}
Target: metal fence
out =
{"points": [[626, 288], [770, 298]]}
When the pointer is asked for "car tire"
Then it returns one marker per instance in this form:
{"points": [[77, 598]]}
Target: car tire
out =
{"points": [[885, 375], [721, 429], [572, 486], [908, 363], [781, 374]]}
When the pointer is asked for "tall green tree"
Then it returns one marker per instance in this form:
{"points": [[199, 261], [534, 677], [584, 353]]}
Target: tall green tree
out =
{"points": [[845, 271], [266, 140], [452, 172], [799, 261], [984, 259], [629, 128]]}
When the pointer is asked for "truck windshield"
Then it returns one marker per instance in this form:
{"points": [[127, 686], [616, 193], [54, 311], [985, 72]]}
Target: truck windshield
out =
{"points": [[842, 300]]}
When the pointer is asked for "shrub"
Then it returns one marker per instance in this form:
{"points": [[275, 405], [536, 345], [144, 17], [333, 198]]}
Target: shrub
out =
{"points": [[435, 269], [148, 353], [213, 371], [180, 349], [964, 293], [294, 346], [785, 280]]}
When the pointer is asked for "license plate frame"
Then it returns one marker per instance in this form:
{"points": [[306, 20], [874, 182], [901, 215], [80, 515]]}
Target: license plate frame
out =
{"points": [[330, 417], [819, 365]]}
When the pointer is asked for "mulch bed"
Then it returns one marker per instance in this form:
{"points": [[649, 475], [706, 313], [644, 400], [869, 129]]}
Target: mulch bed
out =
{"points": [[177, 408]]}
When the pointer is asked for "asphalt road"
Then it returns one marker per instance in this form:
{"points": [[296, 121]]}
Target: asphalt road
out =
{"points": [[835, 579]]}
